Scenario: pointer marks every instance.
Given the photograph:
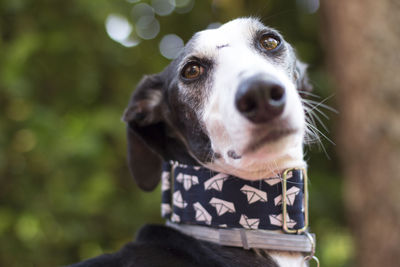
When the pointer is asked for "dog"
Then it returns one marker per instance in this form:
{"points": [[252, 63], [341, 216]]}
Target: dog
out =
{"points": [[230, 103]]}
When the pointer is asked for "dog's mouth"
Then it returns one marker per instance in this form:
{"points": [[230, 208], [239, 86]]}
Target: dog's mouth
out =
{"points": [[272, 136]]}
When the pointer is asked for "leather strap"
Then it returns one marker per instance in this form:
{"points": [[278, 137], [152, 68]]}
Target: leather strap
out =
{"points": [[262, 239]]}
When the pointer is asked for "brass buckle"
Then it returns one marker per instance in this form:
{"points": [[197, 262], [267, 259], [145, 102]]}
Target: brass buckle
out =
{"points": [[284, 202]]}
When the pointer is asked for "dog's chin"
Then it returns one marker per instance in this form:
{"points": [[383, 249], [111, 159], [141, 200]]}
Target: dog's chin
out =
{"points": [[265, 156], [274, 137]]}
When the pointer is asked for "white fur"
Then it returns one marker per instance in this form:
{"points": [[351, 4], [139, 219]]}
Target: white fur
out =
{"points": [[227, 128], [288, 259]]}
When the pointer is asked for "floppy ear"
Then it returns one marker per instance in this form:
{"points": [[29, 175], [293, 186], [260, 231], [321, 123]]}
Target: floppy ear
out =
{"points": [[301, 76], [145, 132]]}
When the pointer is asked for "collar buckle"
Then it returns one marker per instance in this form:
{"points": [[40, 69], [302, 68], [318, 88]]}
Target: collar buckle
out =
{"points": [[285, 216]]}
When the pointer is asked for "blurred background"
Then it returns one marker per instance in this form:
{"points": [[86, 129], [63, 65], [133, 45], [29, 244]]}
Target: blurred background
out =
{"points": [[67, 69]]}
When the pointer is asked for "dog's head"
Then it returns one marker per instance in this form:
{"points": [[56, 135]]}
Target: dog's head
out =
{"points": [[230, 102]]}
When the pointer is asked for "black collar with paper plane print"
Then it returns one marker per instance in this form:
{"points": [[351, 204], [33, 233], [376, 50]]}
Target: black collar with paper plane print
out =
{"points": [[198, 196]]}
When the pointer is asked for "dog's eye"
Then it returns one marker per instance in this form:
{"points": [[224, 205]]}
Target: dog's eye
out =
{"points": [[270, 42], [192, 71]]}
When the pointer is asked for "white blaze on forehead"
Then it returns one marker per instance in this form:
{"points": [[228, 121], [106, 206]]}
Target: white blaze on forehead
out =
{"points": [[235, 32]]}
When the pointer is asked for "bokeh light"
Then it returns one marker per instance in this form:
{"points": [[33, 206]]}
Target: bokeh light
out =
{"points": [[142, 10], [171, 45], [184, 6], [147, 28], [130, 42], [310, 6], [163, 7], [118, 28]]}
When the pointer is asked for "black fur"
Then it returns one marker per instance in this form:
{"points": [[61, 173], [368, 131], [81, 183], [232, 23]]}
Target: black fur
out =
{"points": [[161, 246], [163, 124]]}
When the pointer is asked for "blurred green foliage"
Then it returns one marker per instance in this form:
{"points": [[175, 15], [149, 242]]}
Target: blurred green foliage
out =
{"points": [[65, 190]]}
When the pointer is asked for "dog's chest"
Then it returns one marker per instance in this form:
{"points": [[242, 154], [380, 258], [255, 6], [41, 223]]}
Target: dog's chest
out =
{"points": [[288, 259]]}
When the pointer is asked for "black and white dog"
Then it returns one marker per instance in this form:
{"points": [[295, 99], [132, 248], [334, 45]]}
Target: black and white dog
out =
{"points": [[231, 103]]}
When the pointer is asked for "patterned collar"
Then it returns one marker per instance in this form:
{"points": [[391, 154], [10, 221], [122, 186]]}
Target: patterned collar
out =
{"points": [[194, 195]]}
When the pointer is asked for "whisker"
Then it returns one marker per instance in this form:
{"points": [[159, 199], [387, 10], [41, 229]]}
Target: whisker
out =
{"points": [[321, 104], [312, 114], [322, 134], [309, 94], [312, 136], [310, 106], [310, 120], [322, 113], [325, 152], [320, 144]]}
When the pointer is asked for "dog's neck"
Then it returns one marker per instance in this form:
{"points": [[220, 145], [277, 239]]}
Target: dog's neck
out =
{"points": [[197, 195]]}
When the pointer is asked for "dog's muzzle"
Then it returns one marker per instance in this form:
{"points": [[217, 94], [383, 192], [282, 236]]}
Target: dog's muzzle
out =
{"points": [[260, 98]]}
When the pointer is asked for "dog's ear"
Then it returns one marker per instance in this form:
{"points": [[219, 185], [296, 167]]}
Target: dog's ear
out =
{"points": [[301, 76], [145, 131]]}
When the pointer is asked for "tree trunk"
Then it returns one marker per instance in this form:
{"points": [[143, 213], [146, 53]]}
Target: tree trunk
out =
{"points": [[362, 41]]}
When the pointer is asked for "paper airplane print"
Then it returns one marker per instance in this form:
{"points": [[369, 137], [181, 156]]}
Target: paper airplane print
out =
{"points": [[165, 209], [187, 180], [175, 218], [253, 194], [290, 196], [216, 182], [249, 223], [277, 179], [278, 220], [201, 214], [273, 180], [222, 206], [199, 196], [165, 183], [178, 200], [183, 166]]}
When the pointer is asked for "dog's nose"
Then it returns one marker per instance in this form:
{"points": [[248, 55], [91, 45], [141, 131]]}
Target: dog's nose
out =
{"points": [[260, 99]]}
